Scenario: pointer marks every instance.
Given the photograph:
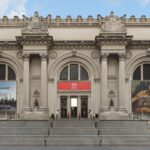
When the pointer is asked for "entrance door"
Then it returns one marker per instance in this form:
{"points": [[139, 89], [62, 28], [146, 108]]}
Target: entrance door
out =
{"points": [[74, 107], [84, 107], [63, 101]]}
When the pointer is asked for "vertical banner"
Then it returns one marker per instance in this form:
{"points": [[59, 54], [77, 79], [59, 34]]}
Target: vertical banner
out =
{"points": [[7, 96], [141, 96]]}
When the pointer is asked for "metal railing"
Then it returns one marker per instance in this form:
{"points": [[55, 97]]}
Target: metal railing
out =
{"points": [[50, 126]]}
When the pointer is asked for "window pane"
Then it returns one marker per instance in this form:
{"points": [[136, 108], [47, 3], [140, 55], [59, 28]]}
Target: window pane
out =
{"points": [[73, 72], [137, 74], [64, 74], [146, 71], [11, 74], [83, 74], [2, 71]]}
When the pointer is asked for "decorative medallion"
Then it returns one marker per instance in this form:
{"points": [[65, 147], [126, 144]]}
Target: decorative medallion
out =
{"points": [[53, 54], [19, 54], [95, 54]]}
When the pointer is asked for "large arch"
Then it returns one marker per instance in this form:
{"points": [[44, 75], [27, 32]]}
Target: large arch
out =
{"points": [[93, 72], [134, 62], [80, 58], [18, 69], [130, 68]]}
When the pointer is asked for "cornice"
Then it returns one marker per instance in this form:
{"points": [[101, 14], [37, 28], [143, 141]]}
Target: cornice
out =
{"points": [[74, 45], [71, 22], [9, 45], [64, 45]]}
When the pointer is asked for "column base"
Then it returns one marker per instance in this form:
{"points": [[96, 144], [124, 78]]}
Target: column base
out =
{"points": [[44, 109], [104, 109], [26, 109], [114, 115], [125, 110]]}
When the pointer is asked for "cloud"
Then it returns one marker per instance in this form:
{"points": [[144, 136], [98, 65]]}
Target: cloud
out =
{"points": [[144, 2], [12, 8]]}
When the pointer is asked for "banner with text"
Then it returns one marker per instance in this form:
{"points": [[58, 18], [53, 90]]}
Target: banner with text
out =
{"points": [[76, 86], [141, 96]]}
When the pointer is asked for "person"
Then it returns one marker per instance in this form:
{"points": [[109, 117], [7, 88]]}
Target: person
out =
{"points": [[57, 113]]}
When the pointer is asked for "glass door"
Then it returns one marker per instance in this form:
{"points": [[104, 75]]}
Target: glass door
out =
{"points": [[74, 107], [84, 107], [63, 101]]}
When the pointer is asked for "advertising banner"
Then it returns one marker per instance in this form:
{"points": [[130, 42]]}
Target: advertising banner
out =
{"points": [[80, 86], [7, 96], [141, 96]]}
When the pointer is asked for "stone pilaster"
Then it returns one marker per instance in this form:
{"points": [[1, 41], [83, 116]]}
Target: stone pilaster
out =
{"points": [[26, 82], [69, 106], [44, 83], [122, 103], [79, 106], [104, 98]]}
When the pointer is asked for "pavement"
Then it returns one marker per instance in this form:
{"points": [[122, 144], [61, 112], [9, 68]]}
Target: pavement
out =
{"points": [[74, 148]]}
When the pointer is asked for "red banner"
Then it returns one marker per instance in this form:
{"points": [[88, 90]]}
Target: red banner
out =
{"points": [[80, 86]]}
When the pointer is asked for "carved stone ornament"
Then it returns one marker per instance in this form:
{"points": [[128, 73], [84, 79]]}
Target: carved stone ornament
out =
{"points": [[43, 56], [113, 25], [74, 53], [148, 52], [104, 56], [35, 24], [26, 56], [53, 54], [95, 54], [19, 54], [122, 56], [128, 54]]}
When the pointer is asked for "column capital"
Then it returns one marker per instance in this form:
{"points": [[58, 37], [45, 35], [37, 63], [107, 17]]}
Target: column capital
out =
{"points": [[43, 56], [122, 56], [104, 56], [26, 56]]}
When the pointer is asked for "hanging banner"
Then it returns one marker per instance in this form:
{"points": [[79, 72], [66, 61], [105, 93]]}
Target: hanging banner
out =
{"points": [[8, 96], [76, 86], [141, 96]]}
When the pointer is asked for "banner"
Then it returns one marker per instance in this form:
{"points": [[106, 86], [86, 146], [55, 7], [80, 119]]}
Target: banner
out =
{"points": [[77, 86], [7, 96], [141, 96]]}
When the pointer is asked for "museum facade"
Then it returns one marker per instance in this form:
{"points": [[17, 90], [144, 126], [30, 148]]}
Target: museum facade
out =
{"points": [[75, 67]]}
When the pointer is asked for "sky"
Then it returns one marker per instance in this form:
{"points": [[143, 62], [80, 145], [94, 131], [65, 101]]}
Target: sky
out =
{"points": [[74, 7]]}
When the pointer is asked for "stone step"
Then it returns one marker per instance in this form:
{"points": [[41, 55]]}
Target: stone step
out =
{"points": [[111, 140]]}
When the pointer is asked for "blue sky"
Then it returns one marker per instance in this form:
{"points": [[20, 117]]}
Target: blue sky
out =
{"points": [[74, 7]]}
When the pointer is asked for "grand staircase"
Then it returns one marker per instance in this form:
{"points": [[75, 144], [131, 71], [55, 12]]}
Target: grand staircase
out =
{"points": [[74, 132]]}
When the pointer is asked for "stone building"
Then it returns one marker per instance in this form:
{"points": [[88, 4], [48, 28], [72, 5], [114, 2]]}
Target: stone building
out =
{"points": [[76, 67]]}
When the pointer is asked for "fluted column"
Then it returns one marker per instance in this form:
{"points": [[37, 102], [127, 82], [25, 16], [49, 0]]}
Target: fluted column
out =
{"points": [[122, 103], [104, 98], [26, 82], [44, 83]]}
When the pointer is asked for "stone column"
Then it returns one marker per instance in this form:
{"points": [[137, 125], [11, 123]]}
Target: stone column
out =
{"points": [[122, 106], [26, 82], [104, 97], [69, 106], [44, 83], [79, 106]]}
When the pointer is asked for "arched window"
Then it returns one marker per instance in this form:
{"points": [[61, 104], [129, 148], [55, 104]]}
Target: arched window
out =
{"points": [[74, 72], [6, 72], [142, 72]]}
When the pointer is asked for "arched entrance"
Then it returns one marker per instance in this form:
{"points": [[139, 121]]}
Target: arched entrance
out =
{"points": [[74, 88], [141, 88], [8, 98]]}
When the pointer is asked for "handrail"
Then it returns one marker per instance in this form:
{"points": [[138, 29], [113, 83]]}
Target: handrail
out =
{"points": [[50, 126]]}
